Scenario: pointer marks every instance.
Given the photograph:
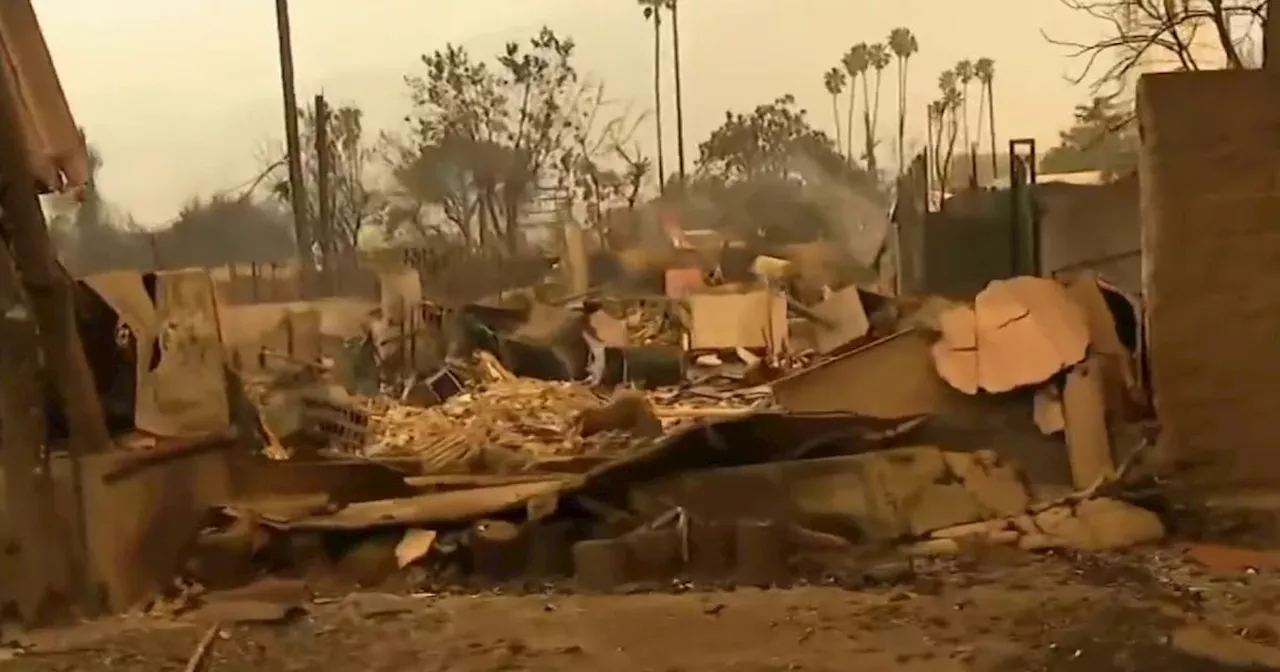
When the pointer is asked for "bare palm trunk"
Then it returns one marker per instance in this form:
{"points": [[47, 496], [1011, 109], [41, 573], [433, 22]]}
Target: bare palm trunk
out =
{"points": [[953, 131], [982, 121], [902, 113], [964, 111], [657, 97], [875, 109], [935, 148], [848, 125], [869, 136], [991, 128], [675, 58], [835, 116]]}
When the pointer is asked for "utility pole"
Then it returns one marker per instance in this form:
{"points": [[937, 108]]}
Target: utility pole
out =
{"points": [[48, 296], [324, 168], [297, 190]]}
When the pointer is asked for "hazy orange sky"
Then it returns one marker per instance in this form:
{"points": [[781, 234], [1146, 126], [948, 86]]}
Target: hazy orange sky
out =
{"points": [[182, 96]]}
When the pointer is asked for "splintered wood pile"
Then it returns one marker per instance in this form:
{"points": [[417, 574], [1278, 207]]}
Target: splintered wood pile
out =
{"points": [[518, 423], [530, 419]]}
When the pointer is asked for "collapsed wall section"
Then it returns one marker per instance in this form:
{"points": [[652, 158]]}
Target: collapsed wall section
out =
{"points": [[1210, 212]]}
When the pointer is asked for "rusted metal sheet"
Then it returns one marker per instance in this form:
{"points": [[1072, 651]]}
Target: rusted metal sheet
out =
{"points": [[58, 158]]}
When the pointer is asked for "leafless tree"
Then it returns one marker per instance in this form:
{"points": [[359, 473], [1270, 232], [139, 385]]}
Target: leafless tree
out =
{"points": [[1140, 30]]}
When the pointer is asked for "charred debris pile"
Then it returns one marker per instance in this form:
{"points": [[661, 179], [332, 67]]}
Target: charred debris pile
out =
{"points": [[717, 433]]}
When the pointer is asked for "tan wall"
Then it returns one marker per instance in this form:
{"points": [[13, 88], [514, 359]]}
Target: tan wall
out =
{"points": [[1211, 244], [1092, 226]]}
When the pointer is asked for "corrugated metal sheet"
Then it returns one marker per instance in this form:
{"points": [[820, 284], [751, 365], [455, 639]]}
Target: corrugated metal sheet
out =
{"points": [[57, 152]]}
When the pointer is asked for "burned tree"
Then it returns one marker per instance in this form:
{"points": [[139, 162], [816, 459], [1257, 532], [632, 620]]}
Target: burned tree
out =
{"points": [[484, 137], [1183, 35]]}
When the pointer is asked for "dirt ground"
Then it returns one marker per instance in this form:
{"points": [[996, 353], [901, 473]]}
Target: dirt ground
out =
{"points": [[1015, 614]]}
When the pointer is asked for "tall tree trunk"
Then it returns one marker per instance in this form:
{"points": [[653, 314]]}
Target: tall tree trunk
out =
{"points": [[848, 138], [675, 59], [902, 114], [875, 104], [835, 116], [964, 111], [953, 131], [991, 128], [657, 95], [869, 135], [982, 122]]}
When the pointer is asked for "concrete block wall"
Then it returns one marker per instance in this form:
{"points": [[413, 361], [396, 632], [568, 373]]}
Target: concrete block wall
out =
{"points": [[1210, 211]]}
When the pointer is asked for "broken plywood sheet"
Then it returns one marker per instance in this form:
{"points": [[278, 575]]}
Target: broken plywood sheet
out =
{"points": [[845, 320], [755, 320], [890, 378], [184, 393], [454, 506], [1025, 330]]}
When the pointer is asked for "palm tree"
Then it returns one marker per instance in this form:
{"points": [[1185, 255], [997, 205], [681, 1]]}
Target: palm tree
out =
{"points": [[964, 75], [937, 113], [903, 45], [878, 59], [834, 80], [985, 70], [651, 13], [675, 60], [855, 63], [949, 86]]}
